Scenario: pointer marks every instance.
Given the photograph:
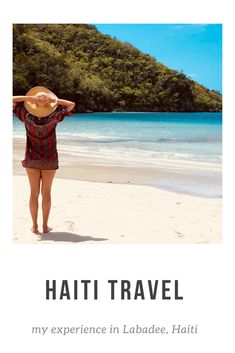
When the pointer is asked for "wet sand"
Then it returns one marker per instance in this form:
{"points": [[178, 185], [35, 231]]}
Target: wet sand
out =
{"points": [[81, 168]]}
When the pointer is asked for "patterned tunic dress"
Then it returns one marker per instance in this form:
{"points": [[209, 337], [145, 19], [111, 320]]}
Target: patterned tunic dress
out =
{"points": [[41, 146]]}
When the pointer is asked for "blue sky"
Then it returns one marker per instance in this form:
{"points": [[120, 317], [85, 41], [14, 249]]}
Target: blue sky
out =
{"points": [[196, 49]]}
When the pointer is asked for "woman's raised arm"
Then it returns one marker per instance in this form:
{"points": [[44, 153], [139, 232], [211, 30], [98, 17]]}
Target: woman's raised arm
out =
{"points": [[37, 99], [68, 104], [17, 99]]}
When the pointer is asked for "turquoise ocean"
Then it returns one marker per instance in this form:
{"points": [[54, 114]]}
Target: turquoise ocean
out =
{"points": [[185, 147]]}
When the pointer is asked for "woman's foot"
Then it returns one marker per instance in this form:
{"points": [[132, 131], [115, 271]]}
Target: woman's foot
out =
{"points": [[34, 229], [46, 229]]}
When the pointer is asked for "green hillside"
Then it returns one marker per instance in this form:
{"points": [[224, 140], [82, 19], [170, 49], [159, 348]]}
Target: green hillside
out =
{"points": [[100, 73]]}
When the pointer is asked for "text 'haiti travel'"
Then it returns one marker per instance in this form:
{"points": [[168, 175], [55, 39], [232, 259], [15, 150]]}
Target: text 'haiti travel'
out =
{"points": [[115, 289]]}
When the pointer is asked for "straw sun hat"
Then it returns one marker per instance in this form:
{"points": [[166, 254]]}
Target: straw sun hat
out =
{"points": [[40, 110]]}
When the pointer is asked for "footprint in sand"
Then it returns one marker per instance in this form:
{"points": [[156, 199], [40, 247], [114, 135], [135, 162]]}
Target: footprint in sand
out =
{"points": [[179, 234], [70, 225]]}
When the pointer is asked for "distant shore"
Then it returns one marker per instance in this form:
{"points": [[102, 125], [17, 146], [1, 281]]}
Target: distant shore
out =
{"points": [[142, 111]]}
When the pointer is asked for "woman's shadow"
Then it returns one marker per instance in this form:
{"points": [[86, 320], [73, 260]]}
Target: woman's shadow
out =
{"points": [[67, 237]]}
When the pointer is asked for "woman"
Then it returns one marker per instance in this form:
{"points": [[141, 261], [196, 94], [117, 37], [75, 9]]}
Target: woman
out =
{"points": [[40, 111]]}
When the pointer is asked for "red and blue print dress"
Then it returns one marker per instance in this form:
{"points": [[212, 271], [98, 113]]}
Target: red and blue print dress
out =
{"points": [[41, 146]]}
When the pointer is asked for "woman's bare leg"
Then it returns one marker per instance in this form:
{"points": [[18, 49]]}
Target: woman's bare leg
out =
{"points": [[34, 176], [47, 179]]}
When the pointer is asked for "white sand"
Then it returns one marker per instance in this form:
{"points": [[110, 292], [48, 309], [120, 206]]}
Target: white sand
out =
{"points": [[89, 212]]}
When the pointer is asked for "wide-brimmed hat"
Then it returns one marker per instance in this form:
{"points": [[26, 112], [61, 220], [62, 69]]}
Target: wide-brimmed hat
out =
{"points": [[40, 110]]}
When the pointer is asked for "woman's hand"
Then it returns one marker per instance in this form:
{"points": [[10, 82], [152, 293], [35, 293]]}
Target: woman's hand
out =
{"points": [[43, 99], [52, 100]]}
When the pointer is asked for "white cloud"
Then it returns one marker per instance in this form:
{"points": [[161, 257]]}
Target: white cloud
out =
{"points": [[191, 26]]}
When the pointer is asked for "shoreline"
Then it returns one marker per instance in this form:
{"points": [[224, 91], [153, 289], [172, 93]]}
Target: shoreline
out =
{"points": [[81, 168], [99, 204]]}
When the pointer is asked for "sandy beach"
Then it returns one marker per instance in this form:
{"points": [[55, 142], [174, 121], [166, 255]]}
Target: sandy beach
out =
{"points": [[110, 204], [92, 212]]}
